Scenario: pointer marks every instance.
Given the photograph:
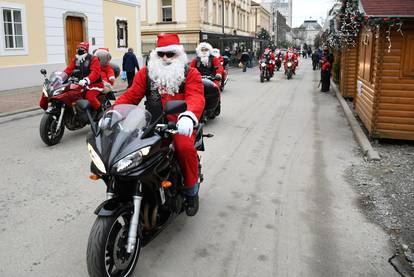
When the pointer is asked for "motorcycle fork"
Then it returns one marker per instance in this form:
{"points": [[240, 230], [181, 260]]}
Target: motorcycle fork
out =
{"points": [[62, 113], [133, 227]]}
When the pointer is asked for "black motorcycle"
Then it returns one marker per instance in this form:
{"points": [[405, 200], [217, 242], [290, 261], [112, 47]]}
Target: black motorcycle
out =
{"points": [[264, 70], [62, 92], [144, 184], [212, 96]]}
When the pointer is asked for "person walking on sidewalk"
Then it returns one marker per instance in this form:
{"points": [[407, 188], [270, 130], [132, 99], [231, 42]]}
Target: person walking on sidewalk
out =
{"points": [[129, 63]]}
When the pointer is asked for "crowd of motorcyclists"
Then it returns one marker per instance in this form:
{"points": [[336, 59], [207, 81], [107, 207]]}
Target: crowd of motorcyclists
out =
{"points": [[167, 78]]}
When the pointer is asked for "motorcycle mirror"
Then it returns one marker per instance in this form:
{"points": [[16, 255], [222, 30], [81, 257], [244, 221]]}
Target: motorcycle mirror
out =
{"points": [[43, 72], [175, 106]]}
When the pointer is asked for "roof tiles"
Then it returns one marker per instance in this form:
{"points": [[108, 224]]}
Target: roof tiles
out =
{"points": [[401, 8]]}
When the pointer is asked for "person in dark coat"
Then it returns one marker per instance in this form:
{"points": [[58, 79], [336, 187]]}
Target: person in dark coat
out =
{"points": [[245, 59], [129, 63], [315, 60], [325, 74]]}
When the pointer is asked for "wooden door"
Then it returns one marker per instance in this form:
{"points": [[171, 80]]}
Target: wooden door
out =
{"points": [[74, 35]]}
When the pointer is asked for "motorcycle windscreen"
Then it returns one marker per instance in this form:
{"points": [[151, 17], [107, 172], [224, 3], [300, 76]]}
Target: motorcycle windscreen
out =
{"points": [[57, 78], [120, 127]]}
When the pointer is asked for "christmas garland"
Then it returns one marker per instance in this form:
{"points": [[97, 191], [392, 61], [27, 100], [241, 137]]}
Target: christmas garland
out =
{"points": [[351, 21]]}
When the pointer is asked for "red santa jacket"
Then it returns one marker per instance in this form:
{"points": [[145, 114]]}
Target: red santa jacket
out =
{"points": [[193, 93], [217, 68], [107, 74], [94, 68], [293, 57], [326, 66], [272, 56]]}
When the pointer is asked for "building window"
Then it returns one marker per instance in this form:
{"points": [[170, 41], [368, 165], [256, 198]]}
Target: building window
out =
{"points": [[13, 29], [122, 33], [205, 10], [214, 13], [166, 9]]}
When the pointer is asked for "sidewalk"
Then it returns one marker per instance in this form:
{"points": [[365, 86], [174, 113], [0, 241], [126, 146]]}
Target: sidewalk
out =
{"points": [[26, 99]]}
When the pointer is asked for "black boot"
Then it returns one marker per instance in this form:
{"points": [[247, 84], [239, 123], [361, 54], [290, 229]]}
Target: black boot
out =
{"points": [[191, 200], [192, 205]]}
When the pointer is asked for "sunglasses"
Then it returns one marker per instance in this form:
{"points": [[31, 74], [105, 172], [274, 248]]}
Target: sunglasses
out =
{"points": [[168, 54]]}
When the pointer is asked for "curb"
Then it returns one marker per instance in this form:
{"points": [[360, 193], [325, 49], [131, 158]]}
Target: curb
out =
{"points": [[19, 111], [360, 136]]}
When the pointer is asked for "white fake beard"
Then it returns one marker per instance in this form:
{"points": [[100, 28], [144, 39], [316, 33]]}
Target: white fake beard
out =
{"points": [[167, 76], [203, 57], [81, 58]]}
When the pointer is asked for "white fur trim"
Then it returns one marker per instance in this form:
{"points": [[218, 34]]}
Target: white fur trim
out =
{"points": [[87, 79], [95, 88], [112, 78], [170, 48], [191, 115]]}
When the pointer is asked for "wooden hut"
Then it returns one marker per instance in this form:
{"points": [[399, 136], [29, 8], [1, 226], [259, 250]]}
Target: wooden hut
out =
{"points": [[385, 78], [349, 66]]}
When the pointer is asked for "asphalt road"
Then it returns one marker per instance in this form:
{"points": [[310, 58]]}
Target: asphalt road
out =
{"points": [[274, 202]]}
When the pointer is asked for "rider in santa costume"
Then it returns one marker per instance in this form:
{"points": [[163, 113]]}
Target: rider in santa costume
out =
{"points": [[107, 72], [89, 74], [290, 55], [272, 60], [167, 73], [207, 64]]}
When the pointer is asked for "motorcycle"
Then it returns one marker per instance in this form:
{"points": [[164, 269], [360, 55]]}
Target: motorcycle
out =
{"points": [[144, 183], [62, 93], [212, 107], [264, 70], [289, 69]]}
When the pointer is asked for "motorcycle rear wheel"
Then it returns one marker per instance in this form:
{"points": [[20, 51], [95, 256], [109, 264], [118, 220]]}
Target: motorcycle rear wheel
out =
{"points": [[47, 129], [106, 253]]}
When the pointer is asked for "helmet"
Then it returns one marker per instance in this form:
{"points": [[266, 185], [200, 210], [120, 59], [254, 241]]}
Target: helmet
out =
{"points": [[103, 55]]}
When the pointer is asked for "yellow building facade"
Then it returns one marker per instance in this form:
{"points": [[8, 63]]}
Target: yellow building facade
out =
{"points": [[37, 34], [195, 21]]}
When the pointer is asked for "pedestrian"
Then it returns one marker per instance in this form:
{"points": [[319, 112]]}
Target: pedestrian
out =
{"points": [[129, 63], [315, 60], [325, 74], [244, 60]]}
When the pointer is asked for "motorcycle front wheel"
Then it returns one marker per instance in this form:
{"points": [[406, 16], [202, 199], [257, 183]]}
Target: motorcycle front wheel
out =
{"points": [[262, 77], [106, 254], [48, 129]]}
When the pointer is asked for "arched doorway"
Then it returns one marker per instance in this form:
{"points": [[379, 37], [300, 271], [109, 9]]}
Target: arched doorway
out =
{"points": [[74, 35]]}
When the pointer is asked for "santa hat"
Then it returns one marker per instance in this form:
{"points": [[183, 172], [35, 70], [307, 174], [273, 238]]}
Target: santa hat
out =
{"points": [[168, 43], [84, 45], [216, 52]]}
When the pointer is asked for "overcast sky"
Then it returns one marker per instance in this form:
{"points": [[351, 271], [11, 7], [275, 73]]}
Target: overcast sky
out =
{"points": [[304, 9]]}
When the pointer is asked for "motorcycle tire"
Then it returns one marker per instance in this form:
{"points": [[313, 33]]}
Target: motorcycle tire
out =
{"points": [[261, 77], [268, 78], [289, 75], [106, 234], [217, 110], [47, 129]]}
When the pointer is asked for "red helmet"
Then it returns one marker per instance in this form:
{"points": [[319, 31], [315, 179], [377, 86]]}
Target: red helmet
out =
{"points": [[84, 45]]}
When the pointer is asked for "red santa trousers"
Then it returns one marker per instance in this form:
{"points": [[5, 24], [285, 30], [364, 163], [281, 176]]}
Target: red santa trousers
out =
{"points": [[187, 158]]}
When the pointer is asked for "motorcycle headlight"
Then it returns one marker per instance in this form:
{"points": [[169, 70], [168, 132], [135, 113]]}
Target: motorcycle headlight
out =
{"points": [[263, 64], [96, 159], [45, 91], [58, 91], [289, 64], [132, 160]]}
